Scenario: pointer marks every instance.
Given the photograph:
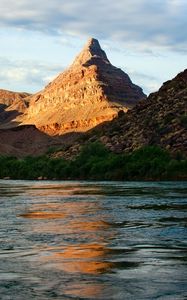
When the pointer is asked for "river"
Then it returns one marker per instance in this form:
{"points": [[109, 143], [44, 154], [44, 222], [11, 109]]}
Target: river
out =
{"points": [[93, 240]]}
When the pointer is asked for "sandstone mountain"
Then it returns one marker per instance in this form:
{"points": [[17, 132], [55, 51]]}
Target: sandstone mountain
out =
{"points": [[12, 104], [160, 120], [89, 92]]}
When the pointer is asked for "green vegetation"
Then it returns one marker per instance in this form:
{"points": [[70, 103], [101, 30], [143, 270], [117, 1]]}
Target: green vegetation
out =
{"points": [[183, 120], [97, 163]]}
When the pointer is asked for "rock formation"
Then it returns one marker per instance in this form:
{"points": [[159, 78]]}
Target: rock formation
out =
{"points": [[10, 98], [160, 120], [12, 104], [89, 92]]}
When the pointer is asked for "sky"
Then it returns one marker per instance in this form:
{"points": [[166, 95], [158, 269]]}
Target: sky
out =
{"points": [[39, 39]]}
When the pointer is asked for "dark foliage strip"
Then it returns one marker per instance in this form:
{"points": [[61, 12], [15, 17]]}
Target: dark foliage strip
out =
{"points": [[96, 162]]}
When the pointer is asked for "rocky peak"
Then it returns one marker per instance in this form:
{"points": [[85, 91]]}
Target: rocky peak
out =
{"points": [[92, 50], [89, 92]]}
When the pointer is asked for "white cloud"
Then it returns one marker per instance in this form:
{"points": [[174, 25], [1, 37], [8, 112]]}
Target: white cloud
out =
{"points": [[32, 74]]}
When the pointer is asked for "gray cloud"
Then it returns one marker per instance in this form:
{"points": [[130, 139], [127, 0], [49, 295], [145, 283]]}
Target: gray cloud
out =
{"points": [[158, 23]]}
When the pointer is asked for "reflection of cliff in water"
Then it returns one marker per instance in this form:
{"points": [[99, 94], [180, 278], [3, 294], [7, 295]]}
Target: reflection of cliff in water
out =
{"points": [[72, 221], [84, 258]]}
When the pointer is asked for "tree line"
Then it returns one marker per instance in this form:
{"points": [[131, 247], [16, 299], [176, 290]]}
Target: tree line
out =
{"points": [[95, 162]]}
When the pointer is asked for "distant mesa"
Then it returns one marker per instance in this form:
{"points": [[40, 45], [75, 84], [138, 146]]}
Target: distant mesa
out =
{"points": [[12, 104], [9, 98], [88, 93]]}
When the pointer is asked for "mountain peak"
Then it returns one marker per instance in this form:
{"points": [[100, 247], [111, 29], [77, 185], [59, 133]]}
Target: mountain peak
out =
{"points": [[92, 49], [89, 92], [92, 42]]}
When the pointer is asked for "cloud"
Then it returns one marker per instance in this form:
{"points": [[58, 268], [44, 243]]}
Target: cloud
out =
{"points": [[160, 23], [33, 75]]}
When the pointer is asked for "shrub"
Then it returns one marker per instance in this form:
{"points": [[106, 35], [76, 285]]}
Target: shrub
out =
{"points": [[183, 120]]}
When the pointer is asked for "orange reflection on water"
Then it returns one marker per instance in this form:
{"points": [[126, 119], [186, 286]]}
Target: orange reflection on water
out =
{"points": [[52, 190], [86, 290], [43, 215], [78, 217], [83, 251], [71, 209], [78, 221], [83, 258], [80, 229], [86, 226]]}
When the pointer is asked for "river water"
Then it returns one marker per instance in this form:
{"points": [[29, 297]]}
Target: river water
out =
{"points": [[93, 240]]}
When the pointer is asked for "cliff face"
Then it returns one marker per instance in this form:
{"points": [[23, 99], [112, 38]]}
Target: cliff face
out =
{"points": [[89, 92], [160, 120]]}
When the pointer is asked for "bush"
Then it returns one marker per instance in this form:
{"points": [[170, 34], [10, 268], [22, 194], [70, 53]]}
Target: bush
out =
{"points": [[183, 120]]}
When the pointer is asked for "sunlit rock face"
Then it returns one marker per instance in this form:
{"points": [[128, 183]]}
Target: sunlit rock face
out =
{"points": [[10, 98], [89, 92], [12, 104]]}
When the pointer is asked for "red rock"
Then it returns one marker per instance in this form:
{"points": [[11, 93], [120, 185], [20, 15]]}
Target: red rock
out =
{"points": [[12, 104]]}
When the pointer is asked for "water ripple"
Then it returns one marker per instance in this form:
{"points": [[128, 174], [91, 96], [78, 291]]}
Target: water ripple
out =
{"points": [[93, 240]]}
